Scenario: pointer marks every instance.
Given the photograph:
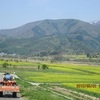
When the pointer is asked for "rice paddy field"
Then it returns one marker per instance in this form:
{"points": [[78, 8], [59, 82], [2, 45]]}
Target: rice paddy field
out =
{"points": [[82, 78]]}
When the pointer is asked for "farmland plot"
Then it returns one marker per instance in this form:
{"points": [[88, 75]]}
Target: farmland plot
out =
{"points": [[68, 76]]}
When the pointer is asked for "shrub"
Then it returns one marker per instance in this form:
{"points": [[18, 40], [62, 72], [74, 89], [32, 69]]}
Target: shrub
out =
{"points": [[44, 66], [5, 64]]}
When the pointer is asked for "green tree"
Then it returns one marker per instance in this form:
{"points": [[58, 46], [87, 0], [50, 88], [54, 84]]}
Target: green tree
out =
{"points": [[5, 64], [44, 66], [38, 66]]}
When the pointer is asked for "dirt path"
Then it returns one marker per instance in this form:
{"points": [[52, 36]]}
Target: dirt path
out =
{"points": [[67, 93], [74, 94]]}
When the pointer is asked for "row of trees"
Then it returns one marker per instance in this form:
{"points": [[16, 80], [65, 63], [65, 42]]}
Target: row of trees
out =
{"points": [[44, 66], [93, 55]]}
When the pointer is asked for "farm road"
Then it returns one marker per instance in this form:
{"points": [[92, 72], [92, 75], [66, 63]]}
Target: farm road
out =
{"points": [[8, 96]]}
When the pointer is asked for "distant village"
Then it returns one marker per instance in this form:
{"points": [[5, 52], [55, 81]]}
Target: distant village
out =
{"points": [[2, 54]]}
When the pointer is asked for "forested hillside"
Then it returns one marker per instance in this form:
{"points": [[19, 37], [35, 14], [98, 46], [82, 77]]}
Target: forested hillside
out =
{"points": [[50, 37]]}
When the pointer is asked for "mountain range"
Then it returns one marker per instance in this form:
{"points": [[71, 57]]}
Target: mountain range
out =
{"points": [[51, 37], [96, 23]]}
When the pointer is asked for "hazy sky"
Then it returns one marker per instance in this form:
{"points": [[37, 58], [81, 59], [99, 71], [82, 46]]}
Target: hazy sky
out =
{"points": [[14, 13]]}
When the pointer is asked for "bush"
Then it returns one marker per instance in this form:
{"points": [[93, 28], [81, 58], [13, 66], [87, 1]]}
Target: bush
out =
{"points": [[44, 66], [5, 64]]}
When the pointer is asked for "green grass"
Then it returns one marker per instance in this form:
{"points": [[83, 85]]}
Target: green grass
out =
{"points": [[67, 75], [36, 93], [90, 91]]}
